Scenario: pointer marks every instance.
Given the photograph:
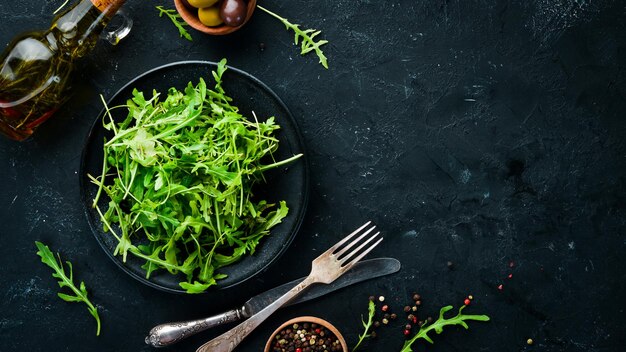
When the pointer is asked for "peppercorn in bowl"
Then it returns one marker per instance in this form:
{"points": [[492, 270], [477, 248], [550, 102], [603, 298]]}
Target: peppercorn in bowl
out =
{"points": [[215, 17], [306, 334]]}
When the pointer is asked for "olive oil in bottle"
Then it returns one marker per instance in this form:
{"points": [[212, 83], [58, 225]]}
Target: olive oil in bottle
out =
{"points": [[35, 68]]}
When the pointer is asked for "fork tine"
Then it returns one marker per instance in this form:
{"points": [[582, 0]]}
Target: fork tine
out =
{"points": [[333, 248], [361, 244], [355, 241], [360, 256]]}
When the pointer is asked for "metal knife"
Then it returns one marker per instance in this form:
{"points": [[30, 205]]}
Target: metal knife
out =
{"points": [[170, 333]]}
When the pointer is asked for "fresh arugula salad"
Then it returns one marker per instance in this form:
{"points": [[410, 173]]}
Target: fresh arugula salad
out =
{"points": [[179, 173]]}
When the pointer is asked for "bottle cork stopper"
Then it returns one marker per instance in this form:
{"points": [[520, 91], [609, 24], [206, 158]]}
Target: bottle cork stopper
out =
{"points": [[108, 7]]}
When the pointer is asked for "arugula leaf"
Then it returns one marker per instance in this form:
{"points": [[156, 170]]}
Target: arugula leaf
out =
{"points": [[196, 287], [176, 20], [79, 293], [371, 310], [306, 38], [440, 323], [180, 172]]}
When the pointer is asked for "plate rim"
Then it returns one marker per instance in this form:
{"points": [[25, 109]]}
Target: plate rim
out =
{"points": [[304, 159]]}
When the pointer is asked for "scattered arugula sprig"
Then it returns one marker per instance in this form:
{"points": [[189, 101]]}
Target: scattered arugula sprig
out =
{"points": [[176, 20], [371, 310], [306, 38], [439, 324], [80, 293], [179, 174]]}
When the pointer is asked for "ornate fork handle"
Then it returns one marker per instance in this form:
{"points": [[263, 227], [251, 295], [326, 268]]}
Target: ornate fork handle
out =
{"points": [[230, 339]]}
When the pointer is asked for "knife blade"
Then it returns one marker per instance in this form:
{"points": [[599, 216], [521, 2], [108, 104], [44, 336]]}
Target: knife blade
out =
{"points": [[170, 333], [366, 269]]}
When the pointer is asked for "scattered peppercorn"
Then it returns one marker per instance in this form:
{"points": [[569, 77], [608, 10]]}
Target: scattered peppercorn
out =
{"points": [[381, 298], [385, 308], [407, 309], [393, 316], [414, 308], [416, 297], [373, 334], [429, 319], [372, 298], [450, 265], [410, 317], [511, 264], [406, 332], [500, 287], [387, 316], [470, 297], [376, 323], [510, 276], [418, 303], [408, 326], [467, 302], [385, 321], [529, 341]]}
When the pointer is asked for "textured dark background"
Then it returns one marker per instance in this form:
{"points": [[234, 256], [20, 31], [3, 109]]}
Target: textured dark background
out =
{"points": [[476, 132]]}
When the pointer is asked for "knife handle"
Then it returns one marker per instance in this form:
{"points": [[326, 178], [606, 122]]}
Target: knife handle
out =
{"points": [[229, 340], [167, 334]]}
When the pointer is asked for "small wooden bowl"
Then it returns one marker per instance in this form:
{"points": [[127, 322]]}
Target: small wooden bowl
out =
{"points": [[191, 17], [307, 319]]}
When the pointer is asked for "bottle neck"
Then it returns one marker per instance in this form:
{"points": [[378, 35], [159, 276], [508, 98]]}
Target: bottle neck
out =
{"points": [[81, 25]]}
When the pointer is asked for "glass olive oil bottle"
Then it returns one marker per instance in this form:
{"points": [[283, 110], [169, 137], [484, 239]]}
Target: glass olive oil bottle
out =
{"points": [[35, 68]]}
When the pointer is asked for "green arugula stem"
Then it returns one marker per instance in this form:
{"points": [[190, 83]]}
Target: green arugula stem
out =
{"points": [[175, 18], [60, 7], [101, 182], [308, 42], [370, 316], [439, 324], [80, 294], [279, 163]]}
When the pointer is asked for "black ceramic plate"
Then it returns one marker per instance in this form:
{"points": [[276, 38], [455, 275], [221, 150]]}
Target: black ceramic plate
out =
{"points": [[289, 184]]}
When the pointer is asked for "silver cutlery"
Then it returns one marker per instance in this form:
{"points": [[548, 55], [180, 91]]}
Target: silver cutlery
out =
{"points": [[325, 269], [170, 333]]}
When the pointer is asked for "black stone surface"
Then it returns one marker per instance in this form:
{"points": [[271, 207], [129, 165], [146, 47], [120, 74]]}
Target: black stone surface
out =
{"points": [[476, 132]]}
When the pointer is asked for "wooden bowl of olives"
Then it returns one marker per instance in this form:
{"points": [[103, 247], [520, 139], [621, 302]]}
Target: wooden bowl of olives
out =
{"points": [[215, 17]]}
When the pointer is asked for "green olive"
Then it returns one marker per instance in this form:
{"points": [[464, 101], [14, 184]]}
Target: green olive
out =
{"points": [[202, 3], [210, 16]]}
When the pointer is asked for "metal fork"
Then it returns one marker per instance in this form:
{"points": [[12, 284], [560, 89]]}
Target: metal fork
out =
{"points": [[325, 269]]}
